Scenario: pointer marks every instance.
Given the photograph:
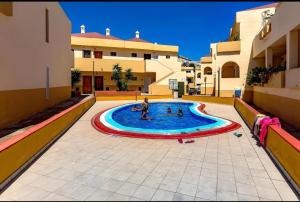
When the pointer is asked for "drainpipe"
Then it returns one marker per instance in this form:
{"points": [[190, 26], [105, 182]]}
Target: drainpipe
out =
{"points": [[94, 77], [218, 81]]}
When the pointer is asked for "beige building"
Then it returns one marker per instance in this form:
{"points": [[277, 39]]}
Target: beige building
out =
{"points": [[35, 58], [152, 64], [266, 36], [278, 44], [226, 68]]}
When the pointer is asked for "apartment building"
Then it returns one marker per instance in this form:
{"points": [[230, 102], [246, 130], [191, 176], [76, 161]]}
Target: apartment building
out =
{"points": [[225, 68], [35, 58], [278, 44], [192, 70], [154, 65]]}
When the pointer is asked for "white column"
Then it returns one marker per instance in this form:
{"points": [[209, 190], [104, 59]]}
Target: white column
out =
{"points": [[292, 49], [269, 57]]}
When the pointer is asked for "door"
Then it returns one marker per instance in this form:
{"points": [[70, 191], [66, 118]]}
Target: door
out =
{"points": [[86, 84], [98, 54], [180, 89], [99, 83], [147, 82]]}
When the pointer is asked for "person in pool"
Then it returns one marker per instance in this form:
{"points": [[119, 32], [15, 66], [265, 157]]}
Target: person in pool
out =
{"points": [[169, 110], [180, 112]]}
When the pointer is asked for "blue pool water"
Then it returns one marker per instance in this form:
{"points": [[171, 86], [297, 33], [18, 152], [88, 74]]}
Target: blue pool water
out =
{"points": [[160, 119]]}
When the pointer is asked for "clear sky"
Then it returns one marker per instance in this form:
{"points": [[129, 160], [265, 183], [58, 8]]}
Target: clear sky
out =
{"points": [[190, 25]]}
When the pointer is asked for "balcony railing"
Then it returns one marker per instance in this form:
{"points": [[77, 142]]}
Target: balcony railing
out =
{"points": [[229, 46], [265, 31]]}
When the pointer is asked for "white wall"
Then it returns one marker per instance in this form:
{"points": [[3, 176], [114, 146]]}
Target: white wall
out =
{"points": [[24, 54]]}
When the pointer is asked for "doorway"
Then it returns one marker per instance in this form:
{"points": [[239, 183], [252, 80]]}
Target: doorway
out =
{"points": [[99, 83], [147, 82], [86, 84]]}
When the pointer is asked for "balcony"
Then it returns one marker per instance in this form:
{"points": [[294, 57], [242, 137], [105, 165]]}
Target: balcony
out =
{"points": [[229, 47], [265, 31], [206, 59], [106, 65], [6, 8]]}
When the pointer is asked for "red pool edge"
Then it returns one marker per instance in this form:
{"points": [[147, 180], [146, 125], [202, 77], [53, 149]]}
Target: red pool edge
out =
{"points": [[102, 128]]}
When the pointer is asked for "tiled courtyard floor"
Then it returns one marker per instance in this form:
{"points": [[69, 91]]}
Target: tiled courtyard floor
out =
{"points": [[86, 165]]}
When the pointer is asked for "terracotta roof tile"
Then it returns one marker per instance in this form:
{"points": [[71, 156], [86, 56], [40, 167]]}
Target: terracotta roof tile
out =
{"points": [[95, 35], [138, 40]]}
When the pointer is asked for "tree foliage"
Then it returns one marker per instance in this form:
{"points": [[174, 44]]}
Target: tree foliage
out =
{"points": [[261, 75], [121, 83], [75, 76]]}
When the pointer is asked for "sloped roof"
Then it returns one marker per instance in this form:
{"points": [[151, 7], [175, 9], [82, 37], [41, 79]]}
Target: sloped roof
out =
{"points": [[138, 40], [272, 5], [95, 35]]}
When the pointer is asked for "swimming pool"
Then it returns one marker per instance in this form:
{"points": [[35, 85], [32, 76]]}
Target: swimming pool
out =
{"points": [[195, 122]]}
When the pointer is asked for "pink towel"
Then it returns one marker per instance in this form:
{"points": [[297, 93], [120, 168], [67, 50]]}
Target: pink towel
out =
{"points": [[265, 122]]}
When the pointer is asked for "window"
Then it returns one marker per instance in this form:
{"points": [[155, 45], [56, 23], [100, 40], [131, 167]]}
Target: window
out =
{"points": [[134, 55], [140, 88], [168, 57], [147, 56], [113, 53], [199, 75], [134, 78], [155, 57], [173, 85], [107, 88], [98, 54], [207, 71], [86, 53], [188, 71], [47, 25]]}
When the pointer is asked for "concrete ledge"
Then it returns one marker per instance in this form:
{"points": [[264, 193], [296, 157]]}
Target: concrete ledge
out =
{"points": [[282, 146], [23, 148], [218, 100], [116, 93], [139, 97]]}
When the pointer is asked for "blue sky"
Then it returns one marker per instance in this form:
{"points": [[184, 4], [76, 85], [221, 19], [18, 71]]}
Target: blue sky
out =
{"points": [[190, 25]]}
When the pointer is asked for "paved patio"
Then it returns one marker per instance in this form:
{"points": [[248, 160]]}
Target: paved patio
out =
{"points": [[87, 165]]}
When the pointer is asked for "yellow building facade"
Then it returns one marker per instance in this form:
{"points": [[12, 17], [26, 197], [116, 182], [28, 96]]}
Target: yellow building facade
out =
{"points": [[152, 64], [35, 58]]}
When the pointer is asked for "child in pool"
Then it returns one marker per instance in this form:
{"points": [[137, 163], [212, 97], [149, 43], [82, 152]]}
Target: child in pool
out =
{"points": [[180, 112]]}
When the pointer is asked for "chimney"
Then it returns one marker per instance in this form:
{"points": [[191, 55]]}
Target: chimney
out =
{"points": [[137, 34], [107, 31], [82, 29]]}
